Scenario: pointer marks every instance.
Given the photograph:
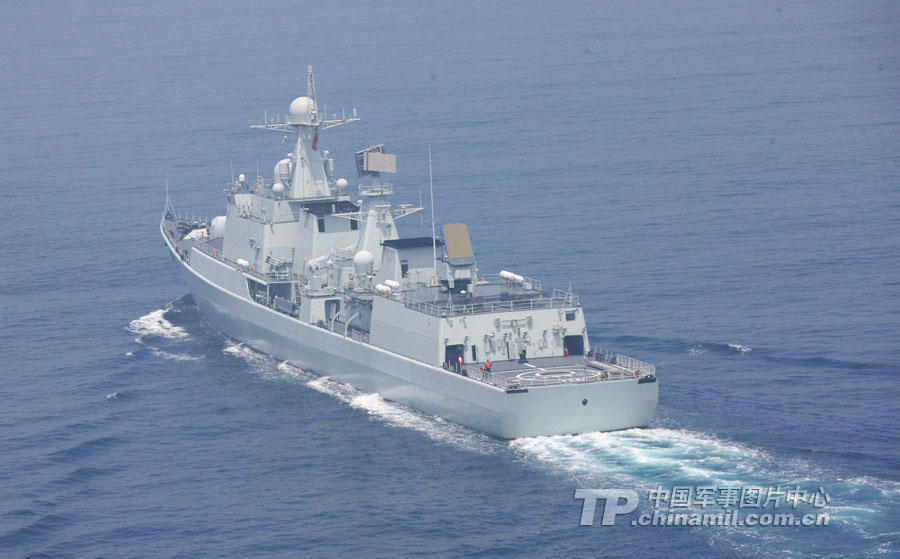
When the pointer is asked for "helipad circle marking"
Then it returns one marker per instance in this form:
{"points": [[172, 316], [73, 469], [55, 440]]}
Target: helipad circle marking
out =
{"points": [[557, 374]]}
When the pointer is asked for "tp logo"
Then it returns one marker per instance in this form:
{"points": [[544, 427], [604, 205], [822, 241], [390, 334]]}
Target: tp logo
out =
{"points": [[612, 507]]}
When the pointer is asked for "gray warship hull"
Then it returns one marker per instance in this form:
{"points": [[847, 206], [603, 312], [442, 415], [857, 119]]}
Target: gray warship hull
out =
{"points": [[518, 410], [308, 271]]}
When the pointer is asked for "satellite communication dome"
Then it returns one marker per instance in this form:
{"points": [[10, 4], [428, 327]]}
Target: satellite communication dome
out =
{"points": [[278, 188], [341, 183], [217, 227], [362, 260], [300, 107], [282, 169]]}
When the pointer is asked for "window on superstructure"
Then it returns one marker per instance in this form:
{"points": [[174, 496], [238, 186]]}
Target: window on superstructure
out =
{"points": [[321, 221]]}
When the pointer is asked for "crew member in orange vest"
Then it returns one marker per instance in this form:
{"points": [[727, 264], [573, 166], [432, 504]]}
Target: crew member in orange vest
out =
{"points": [[487, 365]]}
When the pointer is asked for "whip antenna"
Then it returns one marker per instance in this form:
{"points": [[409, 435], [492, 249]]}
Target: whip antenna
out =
{"points": [[433, 239]]}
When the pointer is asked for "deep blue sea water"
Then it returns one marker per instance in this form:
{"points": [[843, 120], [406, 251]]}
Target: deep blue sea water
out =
{"points": [[718, 181]]}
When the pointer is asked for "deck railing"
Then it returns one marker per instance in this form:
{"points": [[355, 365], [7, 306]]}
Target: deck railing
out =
{"points": [[213, 252], [542, 301], [605, 372], [263, 187], [340, 327], [526, 283], [634, 365]]}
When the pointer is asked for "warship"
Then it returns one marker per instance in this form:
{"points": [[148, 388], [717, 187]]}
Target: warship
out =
{"points": [[310, 271]]}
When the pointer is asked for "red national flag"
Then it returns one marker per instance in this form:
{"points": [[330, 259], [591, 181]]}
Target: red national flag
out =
{"points": [[315, 140]]}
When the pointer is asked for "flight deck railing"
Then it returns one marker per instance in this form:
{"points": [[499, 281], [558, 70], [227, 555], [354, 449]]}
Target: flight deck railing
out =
{"points": [[634, 365], [591, 372]]}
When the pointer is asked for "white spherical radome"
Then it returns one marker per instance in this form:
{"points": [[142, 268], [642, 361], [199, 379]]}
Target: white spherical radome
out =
{"points": [[300, 107], [362, 260], [282, 169], [363, 257], [217, 227]]}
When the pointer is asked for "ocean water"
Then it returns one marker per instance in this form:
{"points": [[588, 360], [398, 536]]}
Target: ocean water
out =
{"points": [[718, 181]]}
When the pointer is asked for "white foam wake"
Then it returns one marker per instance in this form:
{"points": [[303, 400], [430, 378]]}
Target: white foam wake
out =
{"points": [[696, 349], [642, 459], [172, 356], [742, 349], [154, 325], [379, 409], [259, 362], [638, 459], [657, 455]]}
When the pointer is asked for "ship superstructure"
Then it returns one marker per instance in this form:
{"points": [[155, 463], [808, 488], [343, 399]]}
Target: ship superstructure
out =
{"points": [[302, 270]]}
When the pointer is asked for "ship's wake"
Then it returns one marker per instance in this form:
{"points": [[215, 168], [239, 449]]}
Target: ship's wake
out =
{"points": [[724, 349], [154, 329], [638, 459], [656, 454], [156, 324], [645, 459], [635, 459], [379, 409]]}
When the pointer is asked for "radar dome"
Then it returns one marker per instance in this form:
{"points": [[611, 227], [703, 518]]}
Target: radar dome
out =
{"points": [[362, 261], [341, 183], [217, 227], [278, 188], [282, 169], [300, 107]]}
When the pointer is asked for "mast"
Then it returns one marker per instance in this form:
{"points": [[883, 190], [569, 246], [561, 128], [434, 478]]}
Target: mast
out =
{"points": [[311, 109], [433, 239], [303, 172], [169, 209]]}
